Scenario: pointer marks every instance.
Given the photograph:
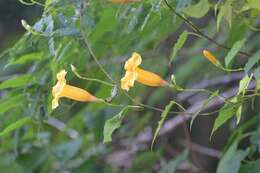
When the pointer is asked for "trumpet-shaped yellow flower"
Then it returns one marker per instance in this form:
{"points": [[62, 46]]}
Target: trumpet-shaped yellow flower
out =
{"points": [[61, 89], [134, 73], [207, 54]]}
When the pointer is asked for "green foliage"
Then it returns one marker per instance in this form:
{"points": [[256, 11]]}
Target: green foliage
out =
{"points": [[252, 61], [231, 161], [233, 51], [97, 37], [225, 12], [172, 165], [243, 85], [205, 104], [160, 123], [178, 45], [250, 167], [198, 10], [8, 103], [226, 112], [11, 127], [17, 81], [112, 124]]}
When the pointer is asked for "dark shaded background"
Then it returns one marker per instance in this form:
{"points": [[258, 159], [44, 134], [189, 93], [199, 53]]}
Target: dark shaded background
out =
{"points": [[11, 13]]}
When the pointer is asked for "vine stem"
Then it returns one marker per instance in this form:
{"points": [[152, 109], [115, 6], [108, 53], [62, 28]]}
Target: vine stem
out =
{"points": [[198, 31], [87, 44]]}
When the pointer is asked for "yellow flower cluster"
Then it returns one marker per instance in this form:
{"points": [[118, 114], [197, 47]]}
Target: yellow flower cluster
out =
{"points": [[133, 73]]}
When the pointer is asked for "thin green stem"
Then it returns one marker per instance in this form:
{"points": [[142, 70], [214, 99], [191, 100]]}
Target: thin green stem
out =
{"points": [[74, 70], [232, 70], [88, 46]]}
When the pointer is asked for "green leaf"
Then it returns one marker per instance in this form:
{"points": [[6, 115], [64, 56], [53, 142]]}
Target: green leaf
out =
{"points": [[243, 84], [205, 104], [257, 73], [230, 163], [178, 45], [225, 12], [252, 61], [233, 51], [26, 58], [171, 166], [112, 124], [251, 167], [255, 138], [163, 117], [198, 10], [255, 4], [145, 161], [10, 102], [226, 112], [15, 126], [19, 81], [239, 113], [32, 160], [68, 31]]}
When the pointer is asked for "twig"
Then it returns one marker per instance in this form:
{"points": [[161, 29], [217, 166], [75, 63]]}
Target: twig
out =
{"points": [[59, 125], [176, 121], [204, 150], [220, 80]]}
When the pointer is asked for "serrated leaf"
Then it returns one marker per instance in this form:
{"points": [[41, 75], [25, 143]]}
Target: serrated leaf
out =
{"points": [[112, 124], [205, 104], [17, 81], [233, 51], [252, 61], [198, 10], [230, 163], [226, 112], [178, 45], [172, 165], [15, 125], [163, 117]]}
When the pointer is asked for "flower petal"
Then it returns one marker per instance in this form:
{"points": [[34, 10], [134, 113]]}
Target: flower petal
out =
{"points": [[133, 62]]}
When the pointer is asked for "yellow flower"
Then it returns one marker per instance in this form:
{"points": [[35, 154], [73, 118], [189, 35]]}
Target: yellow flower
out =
{"points": [[207, 54], [122, 1], [134, 73], [61, 89]]}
